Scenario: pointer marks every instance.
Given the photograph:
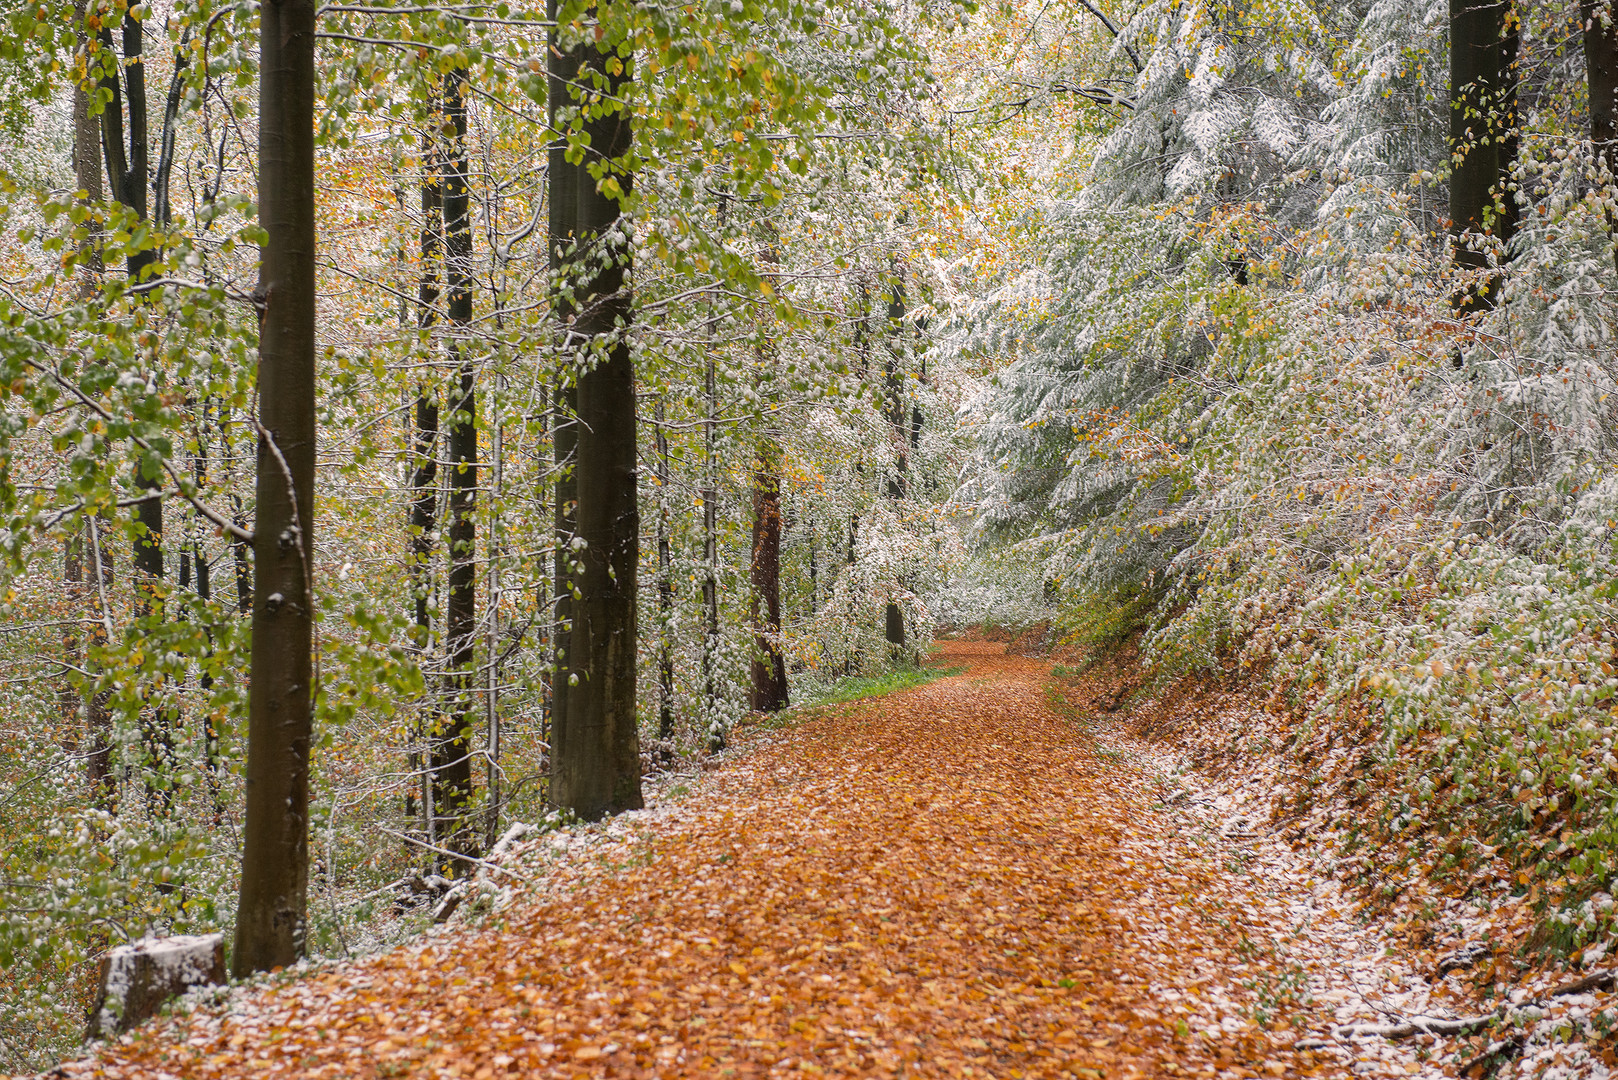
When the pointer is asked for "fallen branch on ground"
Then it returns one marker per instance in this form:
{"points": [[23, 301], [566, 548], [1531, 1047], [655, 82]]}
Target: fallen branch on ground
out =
{"points": [[1419, 1025], [494, 868], [1471, 1025]]}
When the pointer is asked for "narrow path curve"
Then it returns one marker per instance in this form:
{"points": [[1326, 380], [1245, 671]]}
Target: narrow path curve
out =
{"points": [[951, 881]]}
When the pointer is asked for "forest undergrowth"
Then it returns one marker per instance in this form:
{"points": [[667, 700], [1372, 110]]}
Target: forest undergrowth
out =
{"points": [[1449, 921], [987, 875]]}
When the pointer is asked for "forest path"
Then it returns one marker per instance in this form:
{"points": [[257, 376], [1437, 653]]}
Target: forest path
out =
{"points": [[956, 880]]}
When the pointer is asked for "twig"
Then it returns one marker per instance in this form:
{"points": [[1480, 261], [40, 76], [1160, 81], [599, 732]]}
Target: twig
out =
{"points": [[223, 524], [486, 864]]}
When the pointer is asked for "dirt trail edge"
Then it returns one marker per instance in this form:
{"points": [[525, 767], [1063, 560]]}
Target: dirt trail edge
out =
{"points": [[958, 880]]}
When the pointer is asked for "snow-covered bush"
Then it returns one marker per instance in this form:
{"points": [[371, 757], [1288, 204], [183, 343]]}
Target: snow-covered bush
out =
{"points": [[1276, 421]]}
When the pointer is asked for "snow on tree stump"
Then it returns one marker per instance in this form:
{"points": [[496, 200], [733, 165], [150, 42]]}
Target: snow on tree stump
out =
{"points": [[137, 979]]}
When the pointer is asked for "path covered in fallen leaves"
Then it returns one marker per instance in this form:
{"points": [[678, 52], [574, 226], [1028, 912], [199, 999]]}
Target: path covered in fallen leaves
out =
{"points": [[951, 881]]}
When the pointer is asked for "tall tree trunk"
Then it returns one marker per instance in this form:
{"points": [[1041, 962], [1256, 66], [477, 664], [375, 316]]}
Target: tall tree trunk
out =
{"points": [[127, 176], [564, 445], [1484, 36], [495, 543], [67, 695], [894, 623], [103, 780], [710, 543], [242, 559], [769, 665], [127, 166], [544, 584], [452, 744], [710, 562], [98, 717], [769, 671], [1507, 210], [814, 572], [204, 591], [862, 351], [1601, 74], [272, 913], [563, 182], [424, 477], [241, 550], [665, 587], [595, 766]]}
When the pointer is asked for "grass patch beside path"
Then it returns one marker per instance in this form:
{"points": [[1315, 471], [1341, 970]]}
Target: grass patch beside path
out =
{"points": [[855, 688]]}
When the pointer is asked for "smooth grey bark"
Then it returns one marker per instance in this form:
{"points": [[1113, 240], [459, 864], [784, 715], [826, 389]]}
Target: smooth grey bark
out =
{"points": [[272, 912], [452, 741], [562, 185], [595, 761], [128, 174], [710, 558], [665, 584], [710, 539], [769, 671], [90, 544], [424, 475], [893, 382], [814, 572]]}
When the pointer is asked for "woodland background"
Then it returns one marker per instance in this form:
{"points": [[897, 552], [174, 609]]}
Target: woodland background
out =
{"points": [[1279, 334]]}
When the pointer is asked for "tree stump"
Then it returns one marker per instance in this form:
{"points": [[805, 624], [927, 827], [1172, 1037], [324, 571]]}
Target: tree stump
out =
{"points": [[137, 979]]}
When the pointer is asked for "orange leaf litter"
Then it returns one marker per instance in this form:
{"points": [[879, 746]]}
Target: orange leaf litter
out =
{"points": [[950, 881]]}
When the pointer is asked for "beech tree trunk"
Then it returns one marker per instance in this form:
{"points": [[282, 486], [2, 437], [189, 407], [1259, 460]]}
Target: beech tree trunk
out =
{"points": [[204, 591], [103, 780], [595, 765], [127, 176], [452, 744], [91, 543], [862, 350], [272, 913], [814, 573], [769, 665], [241, 550], [562, 186], [894, 623], [1484, 39], [665, 587], [424, 478], [769, 669], [1601, 73], [710, 542], [710, 562]]}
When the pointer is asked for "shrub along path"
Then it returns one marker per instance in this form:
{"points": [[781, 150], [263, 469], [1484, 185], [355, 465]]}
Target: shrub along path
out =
{"points": [[951, 881]]}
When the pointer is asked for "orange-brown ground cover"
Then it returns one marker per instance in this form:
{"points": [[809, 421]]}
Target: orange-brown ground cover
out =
{"points": [[951, 881]]}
